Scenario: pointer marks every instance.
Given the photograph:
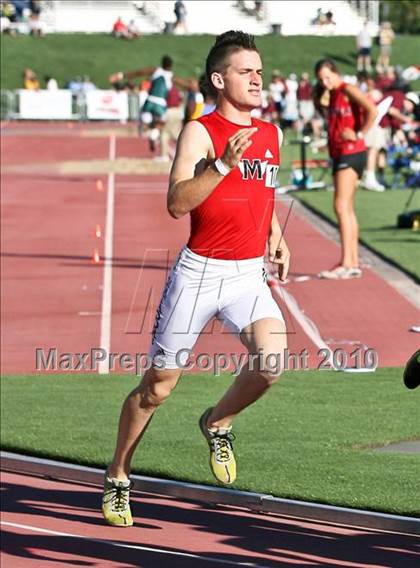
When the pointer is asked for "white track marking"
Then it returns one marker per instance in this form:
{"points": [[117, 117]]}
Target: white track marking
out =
{"points": [[143, 191], [90, 313], [131, 546], [304, 321], [103, 367], [144, 184], [143, 187]]}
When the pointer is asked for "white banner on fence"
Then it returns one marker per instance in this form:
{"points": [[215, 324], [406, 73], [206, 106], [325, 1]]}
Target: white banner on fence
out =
{"points": [[49, 105], [107, 105]]}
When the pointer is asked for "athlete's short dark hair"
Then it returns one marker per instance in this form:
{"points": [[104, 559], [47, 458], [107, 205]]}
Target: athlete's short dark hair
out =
{"points": [[328, 63], [226, 44], [167, 62]]}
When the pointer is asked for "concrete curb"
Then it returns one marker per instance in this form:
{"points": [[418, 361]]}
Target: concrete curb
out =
{"points": [[216, 495]]}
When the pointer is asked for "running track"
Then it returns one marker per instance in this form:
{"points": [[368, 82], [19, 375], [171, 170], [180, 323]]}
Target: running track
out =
{"points": [[47, 523], [53, 294]]}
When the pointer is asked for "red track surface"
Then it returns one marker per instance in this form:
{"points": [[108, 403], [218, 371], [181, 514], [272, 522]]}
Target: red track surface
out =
{"points": [[60, 525], [52, 296], [52, 292]]}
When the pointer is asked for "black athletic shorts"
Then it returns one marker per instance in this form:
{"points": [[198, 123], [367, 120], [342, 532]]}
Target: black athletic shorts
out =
{"points": [[355, 161]]}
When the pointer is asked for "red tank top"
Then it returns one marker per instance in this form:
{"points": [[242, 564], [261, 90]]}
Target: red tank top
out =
{"points": [[233, 222], [343, 113]]}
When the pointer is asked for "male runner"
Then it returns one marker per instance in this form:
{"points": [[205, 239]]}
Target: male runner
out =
{"points": [[153, 112], [224, 176]]}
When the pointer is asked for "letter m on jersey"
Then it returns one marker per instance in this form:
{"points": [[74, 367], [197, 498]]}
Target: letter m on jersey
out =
{"points": [[251, 170], [256, 169]]}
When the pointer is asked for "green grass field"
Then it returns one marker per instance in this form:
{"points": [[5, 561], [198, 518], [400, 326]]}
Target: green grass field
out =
{"points": [[309, 438], [377, 214], [64, 56]]}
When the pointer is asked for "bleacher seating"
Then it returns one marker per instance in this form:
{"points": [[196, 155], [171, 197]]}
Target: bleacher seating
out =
{"points": [[293, 17]]}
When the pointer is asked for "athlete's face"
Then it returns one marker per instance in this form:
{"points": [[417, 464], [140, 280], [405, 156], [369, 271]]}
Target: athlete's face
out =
{"points": [[329, 79], [241, 82]]}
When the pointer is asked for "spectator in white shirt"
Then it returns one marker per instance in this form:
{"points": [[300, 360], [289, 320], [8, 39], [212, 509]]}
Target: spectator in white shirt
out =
{"points": [[277, 90], [364, 46], [50, 83]]}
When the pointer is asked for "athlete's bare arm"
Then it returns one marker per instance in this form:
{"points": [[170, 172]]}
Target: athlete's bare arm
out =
{"points": [[395, 113], [355, 95], [192, 177], [118, 76], [278, 251], [181, 83]]}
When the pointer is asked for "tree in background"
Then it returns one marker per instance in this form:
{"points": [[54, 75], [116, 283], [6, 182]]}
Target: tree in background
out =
{"points": [[404, 15]]}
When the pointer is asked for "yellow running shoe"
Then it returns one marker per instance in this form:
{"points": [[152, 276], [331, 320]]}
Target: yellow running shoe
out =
{"points": [[116, 502], [222, 459]]}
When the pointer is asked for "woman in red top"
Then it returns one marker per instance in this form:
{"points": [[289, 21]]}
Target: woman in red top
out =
{"points": [[350, 116]]}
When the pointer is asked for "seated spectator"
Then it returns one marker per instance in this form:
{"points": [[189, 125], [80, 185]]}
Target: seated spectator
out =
{"points": [[131, 87], [75, 86], [400, 116], [50, 83], [320, 18], [375, 140], [19, 7], [87, 84], [258, 11], [35, 26], [133, 31], [181, 16], [30, 80], [384, 81], [119, 29], [8, 18], [329, 18], [400, 83]]}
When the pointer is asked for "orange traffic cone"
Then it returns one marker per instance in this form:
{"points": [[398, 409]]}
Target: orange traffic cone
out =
{"points": [[96, 259]]}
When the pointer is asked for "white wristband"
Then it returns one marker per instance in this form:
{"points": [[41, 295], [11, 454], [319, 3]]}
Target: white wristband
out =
{"points": [[221, 167]]}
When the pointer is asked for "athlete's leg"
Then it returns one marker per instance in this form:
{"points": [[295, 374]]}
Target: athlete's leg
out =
{"points": [[268, 337], [137, 411], [345, 182], [183, 312]]}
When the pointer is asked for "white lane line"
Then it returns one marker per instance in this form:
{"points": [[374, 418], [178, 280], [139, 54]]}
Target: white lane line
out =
{"points": [[141, 183], [304, 321], [132, 546], [143, 191], [105, 343], [90, 313]]}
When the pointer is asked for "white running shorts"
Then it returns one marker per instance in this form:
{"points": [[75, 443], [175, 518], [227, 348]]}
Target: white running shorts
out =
{"points": [[199, 288]]}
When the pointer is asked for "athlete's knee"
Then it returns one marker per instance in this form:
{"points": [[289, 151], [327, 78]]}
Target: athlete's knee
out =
{"points": [[269, 377], [270, 369], [157, 386], [341, 207]]}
